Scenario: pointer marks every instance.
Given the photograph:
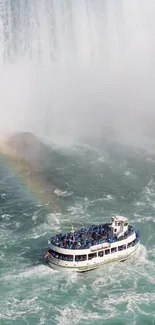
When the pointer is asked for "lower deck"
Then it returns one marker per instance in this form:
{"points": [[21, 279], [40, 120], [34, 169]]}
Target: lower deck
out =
{"points": [[97, 263], [92, 255]]}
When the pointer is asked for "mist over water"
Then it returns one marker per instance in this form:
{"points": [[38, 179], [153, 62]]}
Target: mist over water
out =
{"points": [[76, 68]]}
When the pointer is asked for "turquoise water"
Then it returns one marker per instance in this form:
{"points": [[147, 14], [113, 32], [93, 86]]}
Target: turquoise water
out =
{"points": [[89, 185]]}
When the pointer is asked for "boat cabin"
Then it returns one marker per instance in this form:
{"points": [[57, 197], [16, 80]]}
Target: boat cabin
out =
{"points": [[119, 226]]}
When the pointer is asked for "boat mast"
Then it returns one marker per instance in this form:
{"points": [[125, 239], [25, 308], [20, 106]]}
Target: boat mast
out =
{"points": [[72, 231]]}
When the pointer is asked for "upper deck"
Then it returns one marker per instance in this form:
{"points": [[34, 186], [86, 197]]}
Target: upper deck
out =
{"points": [[92, 236]]}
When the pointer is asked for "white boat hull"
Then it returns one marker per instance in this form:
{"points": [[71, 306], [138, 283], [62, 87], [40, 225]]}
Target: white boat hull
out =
{"points": [[95, 263]]}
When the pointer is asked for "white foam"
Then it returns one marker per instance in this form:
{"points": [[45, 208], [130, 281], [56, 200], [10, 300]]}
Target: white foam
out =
{"points": [[18, 224], [128, 173], [140, 203], [6, 216], [79, 209], [3, 196], [69, 279], [108, 197], [38, 231], [73, 315], [35, 216], [53, 219], [6, 237], [36, 271], [146, 219], [19, 308], [52, 222], [112, 286], [131, 298], [101, 159], [62, 193]]}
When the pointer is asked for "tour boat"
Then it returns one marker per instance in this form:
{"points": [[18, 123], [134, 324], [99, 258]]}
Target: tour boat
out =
{"points": [[92, 247]]}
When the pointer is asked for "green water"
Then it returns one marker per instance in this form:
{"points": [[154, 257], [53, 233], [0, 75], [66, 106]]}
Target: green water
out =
{"points": [[89, 185]]}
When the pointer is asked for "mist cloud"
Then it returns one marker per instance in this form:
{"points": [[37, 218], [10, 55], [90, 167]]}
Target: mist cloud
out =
{"points": [[77, 68]]}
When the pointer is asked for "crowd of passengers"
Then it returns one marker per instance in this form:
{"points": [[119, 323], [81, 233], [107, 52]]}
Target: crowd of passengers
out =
{"points": [[86, 237]]}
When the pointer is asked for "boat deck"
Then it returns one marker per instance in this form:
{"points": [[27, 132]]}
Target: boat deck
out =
{"points": [[89, 236]]}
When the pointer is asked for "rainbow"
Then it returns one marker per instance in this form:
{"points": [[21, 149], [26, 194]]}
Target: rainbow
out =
{"points": [[32, 180]]}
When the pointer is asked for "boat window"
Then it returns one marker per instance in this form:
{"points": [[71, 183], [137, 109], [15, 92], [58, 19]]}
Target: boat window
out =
{"points": [[107, 251], [119, 223], [92, 255], [80, 258], [100, 254], [125, 224], [63, 257], [120, 248], [113, 250], [52, 252], [131, 243]]}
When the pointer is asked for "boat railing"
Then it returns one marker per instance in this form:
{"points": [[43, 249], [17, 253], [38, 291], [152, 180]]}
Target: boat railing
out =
{"points": [[81, 258], [78, 240]]}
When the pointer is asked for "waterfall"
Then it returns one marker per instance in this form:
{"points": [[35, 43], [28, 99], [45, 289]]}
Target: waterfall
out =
{"points": [[63, 30]]}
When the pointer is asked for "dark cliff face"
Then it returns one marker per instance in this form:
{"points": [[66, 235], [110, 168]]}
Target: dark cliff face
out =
{"points": [[27, 148]]}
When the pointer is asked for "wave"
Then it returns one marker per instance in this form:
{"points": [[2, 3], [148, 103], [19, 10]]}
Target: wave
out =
{"points": [[97, 296], [62, 193], [142, 219], [39, 271], [75, 315], [3, 196], [6, 216]]}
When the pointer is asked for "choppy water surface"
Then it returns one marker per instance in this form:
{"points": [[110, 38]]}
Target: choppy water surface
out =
{"points": [[90, 184]]}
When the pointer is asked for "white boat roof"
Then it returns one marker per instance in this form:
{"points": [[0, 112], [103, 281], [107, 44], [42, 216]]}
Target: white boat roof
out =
{"points": [[120, 218]]}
